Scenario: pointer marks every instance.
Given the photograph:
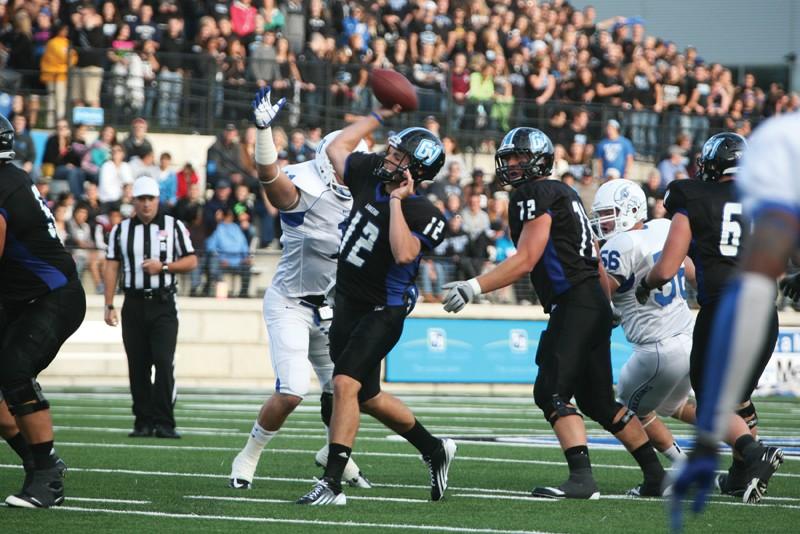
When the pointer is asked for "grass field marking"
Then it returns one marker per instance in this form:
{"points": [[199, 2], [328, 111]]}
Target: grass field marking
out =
{"points": [[275, 520], [349, 497], [109, 501]]}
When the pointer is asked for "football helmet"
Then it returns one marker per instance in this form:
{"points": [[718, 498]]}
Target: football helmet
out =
{"points": [[325, 167], [720, 156], [422, 155], [618, 205], [524, 142], [6, 139]]}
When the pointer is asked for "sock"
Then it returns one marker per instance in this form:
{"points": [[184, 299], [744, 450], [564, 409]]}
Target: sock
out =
{"points": [[338, 455], [646, 457], [259, 437], [674, 453], [578, 460], [421, 439], [21, 447], [43, 457], [748, 448]]}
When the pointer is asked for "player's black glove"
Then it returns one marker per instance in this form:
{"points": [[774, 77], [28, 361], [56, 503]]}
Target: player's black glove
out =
{"points": [[790, 285], [616, 317], [643, 291]]}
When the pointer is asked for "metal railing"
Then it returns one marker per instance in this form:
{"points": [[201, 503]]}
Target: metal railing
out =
{"points": [[204, 96]]}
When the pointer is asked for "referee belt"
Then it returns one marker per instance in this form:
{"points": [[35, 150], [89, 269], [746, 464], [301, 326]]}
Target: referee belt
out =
{"points": [[150, 294]]}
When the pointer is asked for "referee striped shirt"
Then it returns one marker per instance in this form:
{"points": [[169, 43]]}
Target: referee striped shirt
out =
{"points": [[131, 242]]}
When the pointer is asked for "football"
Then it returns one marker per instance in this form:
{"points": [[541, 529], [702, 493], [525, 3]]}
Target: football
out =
{"points": [[391, 88]]}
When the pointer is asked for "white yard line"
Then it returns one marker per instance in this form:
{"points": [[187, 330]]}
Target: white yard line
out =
{"points": [[109, 501], [275, 520], [349, 498]]}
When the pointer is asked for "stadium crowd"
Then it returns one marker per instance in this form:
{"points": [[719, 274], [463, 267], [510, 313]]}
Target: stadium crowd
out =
{"points": [[478, 65]]}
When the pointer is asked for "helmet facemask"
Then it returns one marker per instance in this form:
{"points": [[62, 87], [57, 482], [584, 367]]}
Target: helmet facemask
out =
{"points": [[529, 167], [394, 165]]}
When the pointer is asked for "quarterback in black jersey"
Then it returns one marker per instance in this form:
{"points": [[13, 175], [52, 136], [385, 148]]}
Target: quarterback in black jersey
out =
{"points": [[43, 303], [388, 229], [555, 245], [707, 226]]}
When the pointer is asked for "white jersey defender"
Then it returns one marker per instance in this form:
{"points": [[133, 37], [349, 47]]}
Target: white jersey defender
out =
{"points": [[656, 376]]}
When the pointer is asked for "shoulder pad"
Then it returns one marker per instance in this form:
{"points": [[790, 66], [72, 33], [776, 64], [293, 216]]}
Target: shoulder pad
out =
{"points": [[305, 177]]}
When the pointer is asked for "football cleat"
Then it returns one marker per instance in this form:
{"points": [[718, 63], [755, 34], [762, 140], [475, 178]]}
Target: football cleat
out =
{"points": [[574, 488], [325, 492], [43, 489], [759, 474], [650, 490], [352, 474], [439, 464], [733, 482], [243, 470]]}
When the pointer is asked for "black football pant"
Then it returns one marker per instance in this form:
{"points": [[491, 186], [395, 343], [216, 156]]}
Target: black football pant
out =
{"points": [[700, 340], [149, 333], [31, 333]]}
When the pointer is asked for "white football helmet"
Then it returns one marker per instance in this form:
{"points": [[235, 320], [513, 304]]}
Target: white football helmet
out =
{"points": [[325, 167], [618, 205]]}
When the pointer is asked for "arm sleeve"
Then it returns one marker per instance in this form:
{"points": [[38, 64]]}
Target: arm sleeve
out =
{"points": [[183, 241], [675, 199], [426, 223], [114, 250], [359, 169]]}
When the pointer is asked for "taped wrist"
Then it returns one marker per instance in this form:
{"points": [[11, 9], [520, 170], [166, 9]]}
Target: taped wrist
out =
{"points": [[266, 154], [476, 287]]}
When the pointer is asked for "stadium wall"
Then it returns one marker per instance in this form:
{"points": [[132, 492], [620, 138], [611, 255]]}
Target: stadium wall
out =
{"points": [[487, 348]]}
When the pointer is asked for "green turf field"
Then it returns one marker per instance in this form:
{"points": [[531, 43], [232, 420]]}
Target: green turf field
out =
{"points": [[120, 484]]}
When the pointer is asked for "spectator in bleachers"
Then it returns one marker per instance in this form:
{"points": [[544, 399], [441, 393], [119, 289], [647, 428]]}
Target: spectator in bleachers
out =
{"points": [[167, 182], [98, 153], [451, 185], [243, 17], [541, 82], [224, 156], [653, 191], [298, 150], [42, 184], [54, 66], [170, 76], [672, 167], [90, 42], [60, 219], [699, 91], [187, 177], [229, 251], [220, 202], [234, 77], [91, 201], [20, 58], [587, 186], [137, 143], [481, 93], [24, 148], [145, 166], [111, 18], [114, 173], [263, 63], [79, 237], [646, 97], [63, 153], [614, 151], [475, 219]]}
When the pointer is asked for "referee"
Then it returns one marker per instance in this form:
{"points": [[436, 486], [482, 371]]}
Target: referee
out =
{"points": [[151, 248]]}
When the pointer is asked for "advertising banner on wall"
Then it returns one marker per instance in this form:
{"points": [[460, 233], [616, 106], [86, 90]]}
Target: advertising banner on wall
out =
{"points": [[486, 351]]}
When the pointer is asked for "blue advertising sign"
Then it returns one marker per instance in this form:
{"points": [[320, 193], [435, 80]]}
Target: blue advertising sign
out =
{"points": [[88, 116], [475, 351]]}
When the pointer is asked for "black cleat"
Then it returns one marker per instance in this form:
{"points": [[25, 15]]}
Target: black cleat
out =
{"points": [[734, 482], [43, 489], [759, 474], [166, 432], [439, 465], [574, 488], [144, 431], [325, 492]]}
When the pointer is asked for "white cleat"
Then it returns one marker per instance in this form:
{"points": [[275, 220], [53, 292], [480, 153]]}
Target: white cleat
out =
{"points": [[243, 470], [352, 474]]}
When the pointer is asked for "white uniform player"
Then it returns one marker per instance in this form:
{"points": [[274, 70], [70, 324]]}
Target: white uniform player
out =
{"points": [[313, 207], [656, 376]]}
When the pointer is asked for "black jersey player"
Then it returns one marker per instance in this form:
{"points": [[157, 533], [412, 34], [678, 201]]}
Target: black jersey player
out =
{"points": [[555, 245], [388, 229], [707, 226], [43, 304]]}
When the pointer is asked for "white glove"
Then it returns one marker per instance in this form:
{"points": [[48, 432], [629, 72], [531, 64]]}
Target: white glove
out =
{"points": [[263, 110], [459, 294]]}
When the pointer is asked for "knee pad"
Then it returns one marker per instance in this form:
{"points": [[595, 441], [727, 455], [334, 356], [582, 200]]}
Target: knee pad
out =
{"points": [[326, 407], [555, 408], [748, 413], [25, 398], [623, 421]]}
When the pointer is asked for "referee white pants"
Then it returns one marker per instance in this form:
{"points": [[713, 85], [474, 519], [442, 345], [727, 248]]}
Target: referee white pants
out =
{"points": [[297, 342], [656, 376]]}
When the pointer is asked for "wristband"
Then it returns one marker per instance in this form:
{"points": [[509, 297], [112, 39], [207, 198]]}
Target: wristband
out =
{"points": [[395, 197], [271, 180], [164, 268], [109, 307], [377, 117], [476, 287], [266, 154]]}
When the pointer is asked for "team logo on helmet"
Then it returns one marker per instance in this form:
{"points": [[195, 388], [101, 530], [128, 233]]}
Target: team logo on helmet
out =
{"points": [[427, 151]]}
